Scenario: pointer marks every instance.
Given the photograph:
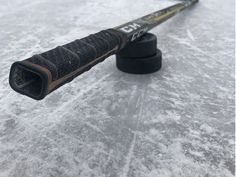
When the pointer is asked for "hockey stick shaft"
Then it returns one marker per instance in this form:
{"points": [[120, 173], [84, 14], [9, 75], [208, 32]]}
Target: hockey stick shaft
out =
{"points": [[41, 74], [140, 26]]}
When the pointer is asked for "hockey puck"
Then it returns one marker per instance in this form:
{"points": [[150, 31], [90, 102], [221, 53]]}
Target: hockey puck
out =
{"points": [[139, 65], [144, 46]]}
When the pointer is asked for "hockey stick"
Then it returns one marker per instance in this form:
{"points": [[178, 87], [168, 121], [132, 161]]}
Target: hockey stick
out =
{"points": [[41, 74]]}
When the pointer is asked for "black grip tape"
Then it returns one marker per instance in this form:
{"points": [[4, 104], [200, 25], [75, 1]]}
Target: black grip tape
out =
{"points": [[43, 73], [67, 58]]}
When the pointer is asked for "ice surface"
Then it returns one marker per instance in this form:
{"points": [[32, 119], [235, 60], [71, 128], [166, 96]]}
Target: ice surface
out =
{"points": [[176, 122]]}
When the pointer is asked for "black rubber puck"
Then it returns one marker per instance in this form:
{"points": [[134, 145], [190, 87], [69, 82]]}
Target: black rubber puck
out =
{"points": [[145, 46], [139, 65]]}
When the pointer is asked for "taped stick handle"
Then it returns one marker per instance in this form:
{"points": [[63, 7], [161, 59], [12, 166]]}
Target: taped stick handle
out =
{"points": [[41, 74]]}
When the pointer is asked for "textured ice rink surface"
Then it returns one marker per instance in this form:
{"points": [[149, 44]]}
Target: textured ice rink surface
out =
{"points": [[178, 122]]}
